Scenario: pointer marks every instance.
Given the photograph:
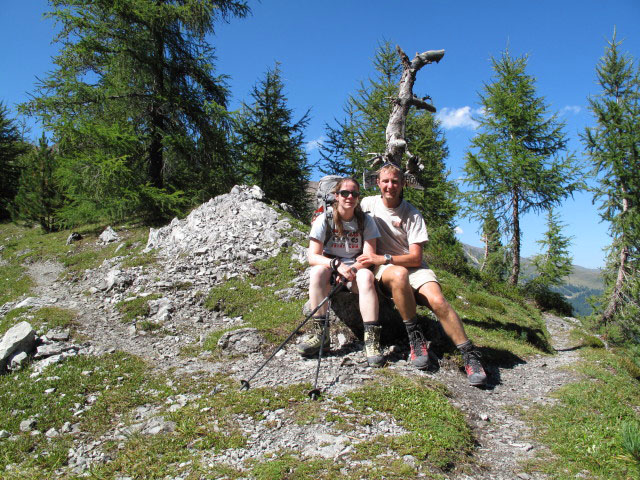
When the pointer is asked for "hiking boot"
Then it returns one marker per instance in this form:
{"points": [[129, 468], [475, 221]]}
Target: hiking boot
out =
{"points": [[472, 359], [372, 345], [419, 354], [310, 345]]}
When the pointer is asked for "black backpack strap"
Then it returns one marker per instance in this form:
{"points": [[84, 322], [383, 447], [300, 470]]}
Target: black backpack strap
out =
{"points": [[328, 222]]}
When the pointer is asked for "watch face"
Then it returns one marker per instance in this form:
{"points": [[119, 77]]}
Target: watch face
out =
{"points": [[387, 257]]}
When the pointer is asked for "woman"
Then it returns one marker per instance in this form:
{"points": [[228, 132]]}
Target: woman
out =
{"points": [[338, 240]]}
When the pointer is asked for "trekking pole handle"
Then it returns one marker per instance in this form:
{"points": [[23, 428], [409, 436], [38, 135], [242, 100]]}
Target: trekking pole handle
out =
{"points": [[335, 263]]}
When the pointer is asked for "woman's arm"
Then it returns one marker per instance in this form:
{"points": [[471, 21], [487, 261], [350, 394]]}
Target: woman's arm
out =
{"points": [[314, 254], [315, 257]]}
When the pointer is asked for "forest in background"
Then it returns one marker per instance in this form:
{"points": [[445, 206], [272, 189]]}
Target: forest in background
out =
{"points": [[137, 128]]}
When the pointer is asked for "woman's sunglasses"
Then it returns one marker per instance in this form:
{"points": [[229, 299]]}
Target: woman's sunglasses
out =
{"points": [[346, 193]]}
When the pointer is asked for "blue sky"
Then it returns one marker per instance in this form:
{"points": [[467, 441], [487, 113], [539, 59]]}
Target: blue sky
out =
{"points": [[325, 50]]}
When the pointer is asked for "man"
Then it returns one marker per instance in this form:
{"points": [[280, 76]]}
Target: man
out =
{"points": [[401, 270]]}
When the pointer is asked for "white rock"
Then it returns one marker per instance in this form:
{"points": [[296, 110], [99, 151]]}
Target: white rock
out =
{"points": [[19, 338], [108, 235]]}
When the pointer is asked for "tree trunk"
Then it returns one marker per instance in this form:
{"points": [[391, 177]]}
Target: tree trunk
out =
{"points": [[515, 250], [156, 160], [486, 252], [614, 301], [394, 134]]}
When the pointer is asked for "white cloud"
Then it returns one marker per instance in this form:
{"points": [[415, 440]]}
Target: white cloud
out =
{"points": [[315, 144], [458, 117], [570, 109], [458, 230]]}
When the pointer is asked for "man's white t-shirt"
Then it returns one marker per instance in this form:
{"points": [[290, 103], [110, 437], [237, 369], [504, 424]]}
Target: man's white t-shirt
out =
{"points": [[399, 227]]}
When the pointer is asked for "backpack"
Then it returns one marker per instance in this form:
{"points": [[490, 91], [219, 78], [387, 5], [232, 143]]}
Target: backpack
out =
{"points": [[324, 202]]}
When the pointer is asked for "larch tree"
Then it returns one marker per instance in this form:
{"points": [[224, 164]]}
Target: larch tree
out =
{"points": [[493, 262], [39, 196], [12, 145], [135, 107], [555, 261], [613, 146], [270, 144], [514, 161]]}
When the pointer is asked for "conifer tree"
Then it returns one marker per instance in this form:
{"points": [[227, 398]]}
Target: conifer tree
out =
{"points": [[614, 148], [39, 197], [12, 146], [134, 105], [493, 264], [270, 144], [555, 262], [514, 160]]}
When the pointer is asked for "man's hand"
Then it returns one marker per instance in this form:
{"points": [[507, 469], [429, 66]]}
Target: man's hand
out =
{"points": [[367, 259]]}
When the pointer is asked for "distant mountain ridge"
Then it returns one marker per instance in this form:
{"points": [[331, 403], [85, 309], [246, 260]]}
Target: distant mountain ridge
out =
{"points": [[580, 285]]}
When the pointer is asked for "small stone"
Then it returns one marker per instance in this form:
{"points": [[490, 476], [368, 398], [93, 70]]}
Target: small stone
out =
{"points": [[51, 433], [27, 425], [17, 361], [4, 434], [50, 390], [484, 417], [59, 336]]}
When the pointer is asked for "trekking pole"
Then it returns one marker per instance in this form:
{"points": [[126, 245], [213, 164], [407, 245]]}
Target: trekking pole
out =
{"points": [[315, 392], [245, 383]]}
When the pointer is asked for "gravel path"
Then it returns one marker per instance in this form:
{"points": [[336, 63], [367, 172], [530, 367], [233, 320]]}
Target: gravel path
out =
{"points": [[503, 439]]}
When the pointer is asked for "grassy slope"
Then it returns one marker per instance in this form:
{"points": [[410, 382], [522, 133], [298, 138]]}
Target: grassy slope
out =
{"points": [[506, 327]]}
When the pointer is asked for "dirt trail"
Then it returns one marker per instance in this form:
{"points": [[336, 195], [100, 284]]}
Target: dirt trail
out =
{"points": [[504, 440]]}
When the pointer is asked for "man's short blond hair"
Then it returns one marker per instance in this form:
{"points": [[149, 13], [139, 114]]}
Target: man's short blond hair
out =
{"points": [[392, 167]]}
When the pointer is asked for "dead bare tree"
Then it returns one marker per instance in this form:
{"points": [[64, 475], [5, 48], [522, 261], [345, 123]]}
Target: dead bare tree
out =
{"points": [[395, 133]]}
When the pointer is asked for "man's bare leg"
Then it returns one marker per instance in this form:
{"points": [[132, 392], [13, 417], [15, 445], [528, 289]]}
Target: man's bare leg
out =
{"points": [[396, 280], [430, 295]]}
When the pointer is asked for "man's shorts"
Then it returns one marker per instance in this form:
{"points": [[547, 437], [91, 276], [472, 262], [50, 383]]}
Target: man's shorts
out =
{"points": [[418, 276]]}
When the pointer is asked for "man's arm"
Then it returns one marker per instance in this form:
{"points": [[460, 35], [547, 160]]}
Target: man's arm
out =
{"points": [[409, 260]]}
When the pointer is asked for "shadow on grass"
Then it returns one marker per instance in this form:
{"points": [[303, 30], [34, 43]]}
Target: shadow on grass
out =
{"points": [[533, 336]]}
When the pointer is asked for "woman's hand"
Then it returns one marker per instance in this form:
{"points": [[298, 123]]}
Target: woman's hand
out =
{"points": [[348, 272]]}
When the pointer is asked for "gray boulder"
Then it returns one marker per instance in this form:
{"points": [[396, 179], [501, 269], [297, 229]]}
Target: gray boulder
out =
{"points": [[19, 338], [108, 235]]}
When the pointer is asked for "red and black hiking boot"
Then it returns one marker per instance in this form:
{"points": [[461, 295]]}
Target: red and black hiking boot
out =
{"points": [[473, 366], [419, 347]]}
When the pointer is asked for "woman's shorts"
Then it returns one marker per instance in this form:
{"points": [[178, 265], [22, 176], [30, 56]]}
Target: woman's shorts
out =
{"points": [[418, 276]]}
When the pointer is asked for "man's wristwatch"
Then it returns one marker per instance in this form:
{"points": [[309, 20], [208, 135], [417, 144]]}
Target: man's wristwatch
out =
{"points": [[387, 259]]}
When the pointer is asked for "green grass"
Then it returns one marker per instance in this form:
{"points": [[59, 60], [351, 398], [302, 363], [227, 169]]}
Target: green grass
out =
{"points": [[585, 430], [209, 423], [116, 382], [438, 432], [14, 283], [32, 244], [259, 307], [137, 307], [506, 327], [43, 319]]}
